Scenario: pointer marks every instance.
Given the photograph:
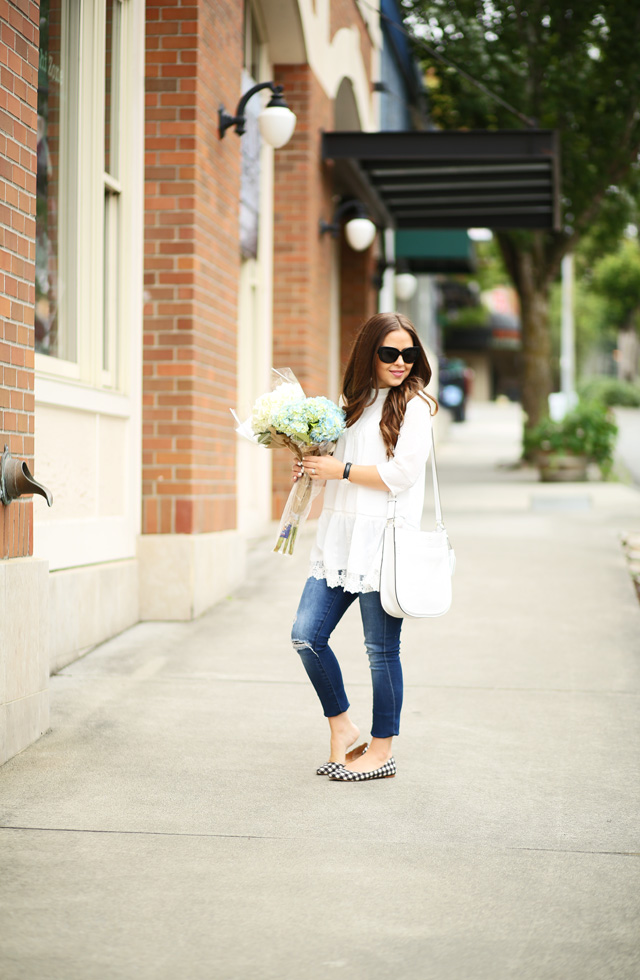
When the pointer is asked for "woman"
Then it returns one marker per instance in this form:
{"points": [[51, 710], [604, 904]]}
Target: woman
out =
{"points": [[384, 449]]}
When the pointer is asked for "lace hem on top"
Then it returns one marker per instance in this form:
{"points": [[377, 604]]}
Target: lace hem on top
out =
{"points": [[349, 581]]}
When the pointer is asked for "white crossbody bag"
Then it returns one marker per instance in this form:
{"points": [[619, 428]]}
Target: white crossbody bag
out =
{"points": [[416, 570]]}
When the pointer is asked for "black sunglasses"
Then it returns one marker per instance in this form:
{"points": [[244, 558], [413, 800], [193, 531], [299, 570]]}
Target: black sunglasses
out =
{"points": [[390, 354]]}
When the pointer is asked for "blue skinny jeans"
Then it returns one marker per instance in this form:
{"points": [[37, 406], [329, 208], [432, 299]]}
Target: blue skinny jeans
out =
{"points": [[321, 609]]}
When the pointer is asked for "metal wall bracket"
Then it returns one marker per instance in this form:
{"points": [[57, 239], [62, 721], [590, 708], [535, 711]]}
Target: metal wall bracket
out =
{"points": [[16, 480]]}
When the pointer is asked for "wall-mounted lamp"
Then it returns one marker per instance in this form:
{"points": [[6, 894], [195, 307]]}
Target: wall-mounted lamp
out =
{"points": [[276, 121], [404, 282], [359, 230], [405, 286]]}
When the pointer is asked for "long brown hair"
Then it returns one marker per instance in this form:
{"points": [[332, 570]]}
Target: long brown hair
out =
{"points": [[360, 377]]}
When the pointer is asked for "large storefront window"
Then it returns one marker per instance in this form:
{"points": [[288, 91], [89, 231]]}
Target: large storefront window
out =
{"points": [[55, 200], [85, 83]]}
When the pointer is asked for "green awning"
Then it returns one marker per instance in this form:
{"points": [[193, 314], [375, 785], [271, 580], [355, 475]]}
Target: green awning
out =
{"points": [[435, 250]]}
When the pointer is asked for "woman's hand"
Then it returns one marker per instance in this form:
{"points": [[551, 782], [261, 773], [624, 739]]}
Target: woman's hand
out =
{"points": [[328, 468], [323, 467]]}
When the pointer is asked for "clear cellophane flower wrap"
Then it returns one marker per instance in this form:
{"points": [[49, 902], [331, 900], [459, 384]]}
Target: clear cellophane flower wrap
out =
{"points": [[303, 492], [285, 418]]}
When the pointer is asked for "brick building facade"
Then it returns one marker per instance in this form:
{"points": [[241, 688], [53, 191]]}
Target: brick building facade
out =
{"points": [[18, 124], [152, 318], [24, 666], [192, 266]]}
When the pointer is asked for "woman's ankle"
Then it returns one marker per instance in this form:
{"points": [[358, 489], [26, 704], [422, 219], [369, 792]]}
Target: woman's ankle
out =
{"points": [[380, 748], [341, 726], [343, 734]]}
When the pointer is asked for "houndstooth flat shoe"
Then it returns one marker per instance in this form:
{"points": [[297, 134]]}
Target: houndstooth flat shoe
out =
{"points": [[386, 771], [330, 767]]}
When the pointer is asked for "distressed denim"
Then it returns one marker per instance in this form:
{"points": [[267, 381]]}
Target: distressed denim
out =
{"points": [[321, 609]]}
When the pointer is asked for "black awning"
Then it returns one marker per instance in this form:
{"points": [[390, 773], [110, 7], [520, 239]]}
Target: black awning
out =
{"points": [[503, 179]]}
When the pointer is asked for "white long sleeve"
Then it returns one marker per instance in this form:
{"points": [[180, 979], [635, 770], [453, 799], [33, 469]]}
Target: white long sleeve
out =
{"points": [[407, 464], [348, 547]]}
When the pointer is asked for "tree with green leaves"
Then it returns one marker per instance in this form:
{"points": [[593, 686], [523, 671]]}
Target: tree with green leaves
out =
{"points": [[616, 277], [570, 67]]}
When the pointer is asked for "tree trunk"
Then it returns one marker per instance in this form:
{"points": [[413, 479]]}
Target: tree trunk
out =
{"points": [[536, 344]]}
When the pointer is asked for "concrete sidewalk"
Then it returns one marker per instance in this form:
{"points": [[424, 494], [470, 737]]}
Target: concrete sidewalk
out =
{"points": [[171, 824]]}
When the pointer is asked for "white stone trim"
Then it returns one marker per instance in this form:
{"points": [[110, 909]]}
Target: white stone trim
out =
{"points": [[183, 575], [72, 543], [55, 391], [255, 344], [89, 605], [334, 58], [24, 654]]}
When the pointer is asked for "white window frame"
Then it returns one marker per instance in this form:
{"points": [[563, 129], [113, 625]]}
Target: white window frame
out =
{"points": [[112, 241], [69, 542], [98, 194], [68, 164]]}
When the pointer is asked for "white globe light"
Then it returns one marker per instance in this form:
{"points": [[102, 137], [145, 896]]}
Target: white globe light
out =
{"points": [[277, 124], [360, 233], [406, 285]]}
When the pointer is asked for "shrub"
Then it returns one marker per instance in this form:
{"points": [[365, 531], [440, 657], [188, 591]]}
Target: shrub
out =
{"points": [[586, 431], [610, 391], [468, 316]]}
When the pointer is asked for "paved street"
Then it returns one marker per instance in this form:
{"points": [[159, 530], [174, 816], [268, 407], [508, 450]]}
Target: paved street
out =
{"points": [[171, 824]]}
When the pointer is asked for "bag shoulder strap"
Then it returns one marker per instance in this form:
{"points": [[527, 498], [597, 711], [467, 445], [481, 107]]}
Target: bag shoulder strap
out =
{"points": [[436, 487], [391, 508]]}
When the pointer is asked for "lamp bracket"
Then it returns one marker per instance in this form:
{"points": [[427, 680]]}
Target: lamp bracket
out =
{"points": [[334, 225], [239, 120]]}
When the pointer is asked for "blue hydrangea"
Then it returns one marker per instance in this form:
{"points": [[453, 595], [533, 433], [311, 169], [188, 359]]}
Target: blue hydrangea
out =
{"points": [[311, 421], [290, 419], [325, 420]]}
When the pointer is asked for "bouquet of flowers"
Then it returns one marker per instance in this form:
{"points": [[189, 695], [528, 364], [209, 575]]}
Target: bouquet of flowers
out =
{"points": [[284, 417]]}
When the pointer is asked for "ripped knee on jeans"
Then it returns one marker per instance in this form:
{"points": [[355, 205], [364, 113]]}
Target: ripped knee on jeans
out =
{"points": [[301, 645]]}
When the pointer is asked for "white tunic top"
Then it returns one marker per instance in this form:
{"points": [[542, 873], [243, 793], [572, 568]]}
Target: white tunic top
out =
{"points": [[348, 547]]}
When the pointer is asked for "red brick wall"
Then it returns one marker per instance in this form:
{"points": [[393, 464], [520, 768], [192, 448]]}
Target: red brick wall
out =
{"points": [[218, 268], [194, 63], [194, 60], [302, 259], [358, 296], [18, 138]]}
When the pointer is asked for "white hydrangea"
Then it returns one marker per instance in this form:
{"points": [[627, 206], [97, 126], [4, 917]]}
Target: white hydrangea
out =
{"points": [[272, 403]]}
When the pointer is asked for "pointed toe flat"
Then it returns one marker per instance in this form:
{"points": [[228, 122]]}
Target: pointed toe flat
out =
{"points": [[386, 771], [329, 767]]}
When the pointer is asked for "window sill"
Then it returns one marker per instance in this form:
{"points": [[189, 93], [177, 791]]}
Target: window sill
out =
{"points": [[72, 394]]}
